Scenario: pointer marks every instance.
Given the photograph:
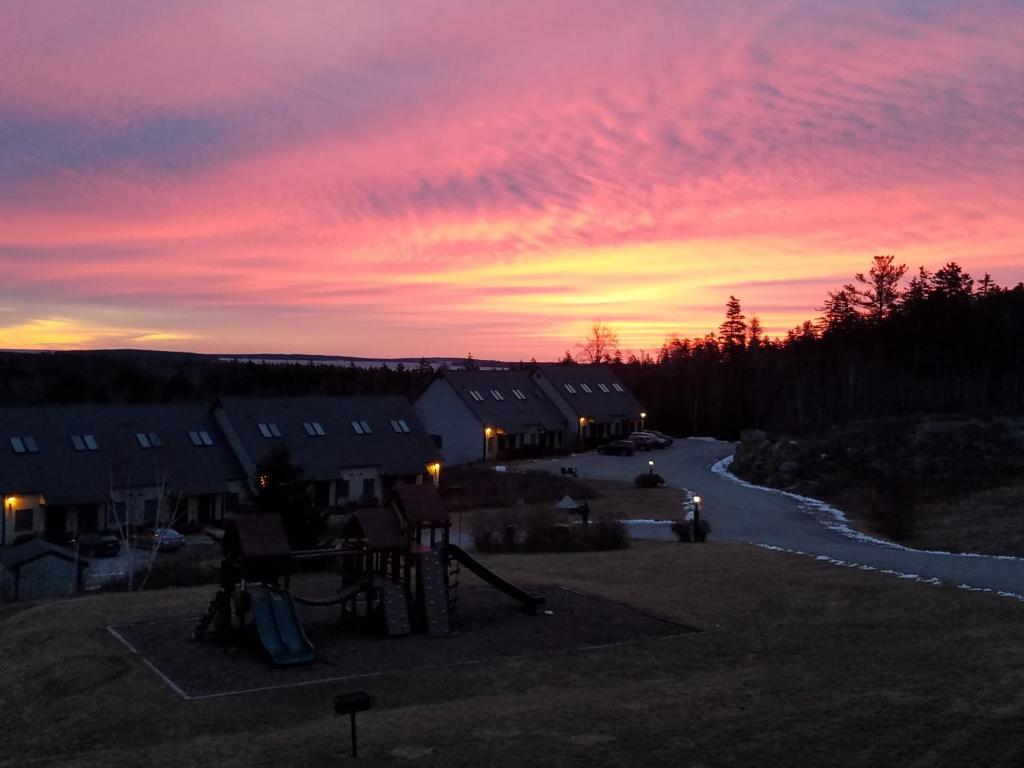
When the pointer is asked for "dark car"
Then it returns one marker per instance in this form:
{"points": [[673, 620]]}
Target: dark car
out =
{"points": [[97, 545], [666, 441], [644, 441], [165, 539], [617, 448]]}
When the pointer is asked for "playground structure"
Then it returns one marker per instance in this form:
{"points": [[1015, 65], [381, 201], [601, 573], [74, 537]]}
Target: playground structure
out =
{"points": [[399, 574]]}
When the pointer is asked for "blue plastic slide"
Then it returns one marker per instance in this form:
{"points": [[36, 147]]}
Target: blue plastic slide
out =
{"points": [[280, 630]]}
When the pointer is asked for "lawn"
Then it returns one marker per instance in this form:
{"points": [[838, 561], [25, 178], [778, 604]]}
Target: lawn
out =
{"points": [[798, 663]]}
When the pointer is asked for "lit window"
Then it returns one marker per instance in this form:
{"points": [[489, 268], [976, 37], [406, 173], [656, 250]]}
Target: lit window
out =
{"points": [[205, 438], [264, 430], [30, 444], [18, 445], [618, 388], [603, 388], [357, 427], [587, 389], [366, 427], [76, 441], [476, 395], [570, 389], [403, 425], [90, 442], [318, 429], [496, 395], [143, 439], [519, 394]]}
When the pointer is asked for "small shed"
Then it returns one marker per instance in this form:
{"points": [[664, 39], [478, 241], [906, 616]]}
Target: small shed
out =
{"points": [[38, 569]]}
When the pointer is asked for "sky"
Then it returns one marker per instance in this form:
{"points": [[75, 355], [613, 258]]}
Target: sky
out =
{"points": [[442, 178]]}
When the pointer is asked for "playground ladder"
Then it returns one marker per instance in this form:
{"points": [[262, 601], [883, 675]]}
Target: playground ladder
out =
{"points": [[432, 588]]}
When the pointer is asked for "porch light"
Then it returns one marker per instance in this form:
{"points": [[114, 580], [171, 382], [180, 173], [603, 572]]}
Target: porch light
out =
{"points": [[488, 431]]}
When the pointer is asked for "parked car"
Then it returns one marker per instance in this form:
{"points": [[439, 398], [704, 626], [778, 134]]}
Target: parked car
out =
{"points": [[661, 436], [100, 544], [644, 441], [166, 539], [617, 448]]}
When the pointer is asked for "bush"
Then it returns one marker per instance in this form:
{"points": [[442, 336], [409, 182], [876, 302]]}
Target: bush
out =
{"points": [[649, 480], [543, 531], [480, 487], [683, 529]]}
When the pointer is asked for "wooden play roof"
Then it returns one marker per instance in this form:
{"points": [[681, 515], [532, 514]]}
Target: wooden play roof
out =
{"points": [[380, 528], [421, 504], [259, 535]]}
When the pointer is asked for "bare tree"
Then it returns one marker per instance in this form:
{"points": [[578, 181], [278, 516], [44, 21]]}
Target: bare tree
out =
{"points": [[601, 346]]}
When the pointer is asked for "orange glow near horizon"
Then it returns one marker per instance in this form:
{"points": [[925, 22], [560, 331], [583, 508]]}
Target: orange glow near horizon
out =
{"points": [[353, 180]]}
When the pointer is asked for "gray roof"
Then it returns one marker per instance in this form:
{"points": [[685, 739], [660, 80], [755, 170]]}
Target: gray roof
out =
{"points": [[341, 446], [510, 413], [597, 404], [69, 476], [15, 557]]}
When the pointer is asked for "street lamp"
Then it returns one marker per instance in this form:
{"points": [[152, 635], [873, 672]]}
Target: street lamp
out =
{"points": [[643, 420], [650, 467], [696, 519]]}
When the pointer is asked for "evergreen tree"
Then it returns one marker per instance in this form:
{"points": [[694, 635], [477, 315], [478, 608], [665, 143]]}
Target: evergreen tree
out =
{"points": [[879, 292], [733, 330], [281, 490], [952, 283]]}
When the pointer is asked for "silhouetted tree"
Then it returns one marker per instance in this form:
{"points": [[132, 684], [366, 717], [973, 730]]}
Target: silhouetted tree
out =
{"points": [[733, 330], [879, 292], [601, 345], [281, 490]]}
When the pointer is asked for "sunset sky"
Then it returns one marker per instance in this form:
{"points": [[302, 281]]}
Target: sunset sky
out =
{"points": [[435, 178]]}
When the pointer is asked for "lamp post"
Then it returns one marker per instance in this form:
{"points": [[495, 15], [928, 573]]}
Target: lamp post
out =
{"points": [[650, 467], [487, 436], [583, 423], [643, 420], [696, 519]]}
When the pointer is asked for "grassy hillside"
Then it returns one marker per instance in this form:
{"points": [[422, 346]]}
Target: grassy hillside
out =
{"points": [[799, 663]]}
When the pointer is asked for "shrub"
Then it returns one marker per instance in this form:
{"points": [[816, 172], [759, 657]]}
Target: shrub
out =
{"points": [[543, 531], [649, 480], [683, 529], [480, 487]]}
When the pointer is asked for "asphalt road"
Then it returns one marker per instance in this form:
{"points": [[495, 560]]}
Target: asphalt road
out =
{"points": [[759, 516]]}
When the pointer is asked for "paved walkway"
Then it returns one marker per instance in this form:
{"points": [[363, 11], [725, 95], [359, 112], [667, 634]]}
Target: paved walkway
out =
{"points": [[761, 516]]}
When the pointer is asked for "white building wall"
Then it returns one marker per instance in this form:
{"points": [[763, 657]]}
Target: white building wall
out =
{"points": [[442, 412]]}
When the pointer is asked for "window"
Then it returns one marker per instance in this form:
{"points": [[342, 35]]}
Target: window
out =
{"points": [[205, 437], [18, 445], [341, 491], [269, 430], [476, 395], [24, 520], [143, 439], [394, 426], [587, 389], [603, 388], [154, 440], [405, 427], [196, 439], [76, 442], [313, 428], [369, 487], [30, 444], [84, 443], [366, 428], [399, 425], [618, 388], [570, 389], [496, 395], [274, 430], [264, 430], [357, 427], [519, 394], [90, 442]]}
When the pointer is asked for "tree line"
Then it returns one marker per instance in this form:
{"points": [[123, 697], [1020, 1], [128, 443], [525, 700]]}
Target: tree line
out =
{"points": [[882, 346]]}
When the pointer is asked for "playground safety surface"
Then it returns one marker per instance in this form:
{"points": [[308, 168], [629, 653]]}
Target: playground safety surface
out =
{"points": [[486, 626]]}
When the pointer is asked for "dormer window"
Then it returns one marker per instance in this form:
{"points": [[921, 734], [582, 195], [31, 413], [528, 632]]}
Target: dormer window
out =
{"points": [[24, 444], [476, 395], [618, 388], [497, 395], [84, 443], [519, 394], [361, 428], [313, 428], [586, 388], [269, 430], [604, 388], [148, 440], [200, 438], [399, 425], [570, 389]]}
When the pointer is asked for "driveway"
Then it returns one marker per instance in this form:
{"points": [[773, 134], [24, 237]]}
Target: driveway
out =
{"points": [[748, 514]]}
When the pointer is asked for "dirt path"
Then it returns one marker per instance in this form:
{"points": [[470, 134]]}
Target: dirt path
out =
{"points": [[749, 514]]}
